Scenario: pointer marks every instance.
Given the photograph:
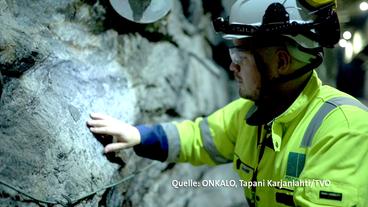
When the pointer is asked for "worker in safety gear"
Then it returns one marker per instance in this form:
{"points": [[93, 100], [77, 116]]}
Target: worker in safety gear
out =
{"points": [[291, 139]]}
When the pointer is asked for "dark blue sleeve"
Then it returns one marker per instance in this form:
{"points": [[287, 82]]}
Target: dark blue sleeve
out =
{"points": [[154, 144]]}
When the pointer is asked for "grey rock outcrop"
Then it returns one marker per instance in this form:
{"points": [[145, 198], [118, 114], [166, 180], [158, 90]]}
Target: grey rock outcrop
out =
{"points": [[58, 64]]}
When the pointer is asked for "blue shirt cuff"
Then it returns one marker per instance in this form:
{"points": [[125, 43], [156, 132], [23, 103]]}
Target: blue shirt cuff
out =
{"points": [[154, 144]]}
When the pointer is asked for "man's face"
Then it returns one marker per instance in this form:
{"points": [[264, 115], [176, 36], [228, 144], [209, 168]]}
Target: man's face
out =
{"points": [[245, 70]]}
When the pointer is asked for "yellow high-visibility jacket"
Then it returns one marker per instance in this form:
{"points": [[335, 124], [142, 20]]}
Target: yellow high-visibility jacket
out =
{"points": [[313, 154]]}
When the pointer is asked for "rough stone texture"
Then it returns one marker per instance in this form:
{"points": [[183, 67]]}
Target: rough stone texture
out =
{"points": [[58, 64]]}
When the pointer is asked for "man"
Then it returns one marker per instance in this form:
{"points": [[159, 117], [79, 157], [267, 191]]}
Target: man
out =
{"points": [[302, 143]]}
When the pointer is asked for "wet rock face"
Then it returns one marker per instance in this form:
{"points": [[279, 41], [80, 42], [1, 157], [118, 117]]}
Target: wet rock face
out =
{"points": [[58, 63]]}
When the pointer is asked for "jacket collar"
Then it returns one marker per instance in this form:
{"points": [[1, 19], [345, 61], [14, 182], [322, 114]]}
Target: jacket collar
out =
{"points": [[255, 117], [302, 101]]}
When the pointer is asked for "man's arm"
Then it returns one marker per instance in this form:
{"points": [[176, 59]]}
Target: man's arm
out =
{"points": [[208, 140], [203, 141]]}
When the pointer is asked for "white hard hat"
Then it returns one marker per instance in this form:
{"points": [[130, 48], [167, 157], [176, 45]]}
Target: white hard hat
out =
{"points": [[308, 24], [142, 11]]}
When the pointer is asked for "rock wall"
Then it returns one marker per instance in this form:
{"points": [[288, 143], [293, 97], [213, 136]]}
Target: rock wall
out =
{"points": [[61, 60]]}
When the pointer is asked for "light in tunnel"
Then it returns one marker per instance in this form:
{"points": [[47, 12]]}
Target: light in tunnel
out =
{"points": [[363, 6], [348, 52], [343, 43], [346, 35], [357, 42]]}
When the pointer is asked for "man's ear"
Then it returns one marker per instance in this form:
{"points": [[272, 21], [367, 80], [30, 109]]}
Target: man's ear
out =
{"points": [[284, 62]]}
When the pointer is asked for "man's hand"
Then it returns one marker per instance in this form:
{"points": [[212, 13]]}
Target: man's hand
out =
{"points": [[124, 135]]}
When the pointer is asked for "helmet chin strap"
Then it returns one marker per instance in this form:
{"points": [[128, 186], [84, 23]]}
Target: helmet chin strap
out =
{"points": [[268, 84]]}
